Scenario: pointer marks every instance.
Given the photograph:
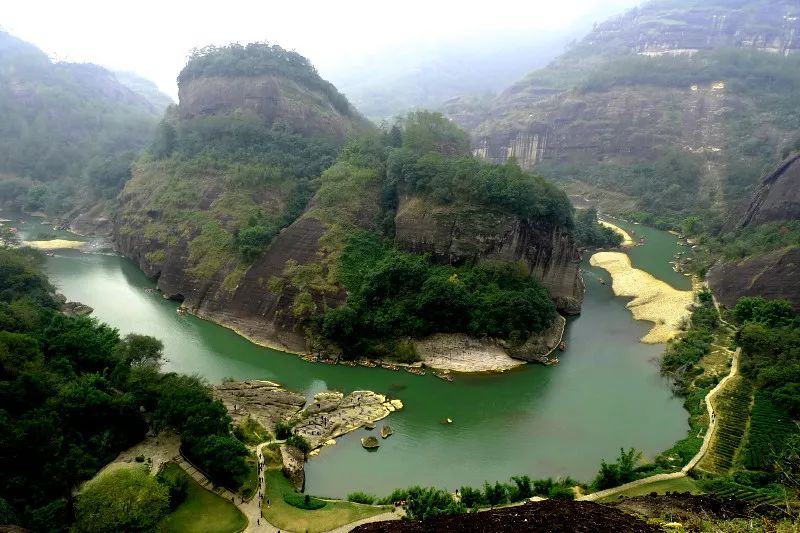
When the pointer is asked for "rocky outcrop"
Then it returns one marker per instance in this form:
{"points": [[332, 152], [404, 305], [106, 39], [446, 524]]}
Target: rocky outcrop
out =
{"points": [[540, 347], [271, 98], [332, 414], [264, 401], [76, 309], [778, 197], [328, 415], [93, 222], [461, 353], [455, 235], [772, 275], [294, 466]]}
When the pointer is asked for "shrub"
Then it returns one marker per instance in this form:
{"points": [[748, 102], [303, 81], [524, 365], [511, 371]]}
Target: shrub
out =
{"points": [[303, 501], [471, 497], [361, 497], [300, 443], [495, 494], [425, 503], [561, 492], [283, 430]]}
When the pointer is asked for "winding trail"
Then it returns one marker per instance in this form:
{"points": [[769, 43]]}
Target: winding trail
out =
{"points": [[712, 426]]}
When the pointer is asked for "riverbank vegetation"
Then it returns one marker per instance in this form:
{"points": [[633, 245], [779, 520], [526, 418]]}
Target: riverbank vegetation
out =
{"points": [[73, 394], [395, 294]]}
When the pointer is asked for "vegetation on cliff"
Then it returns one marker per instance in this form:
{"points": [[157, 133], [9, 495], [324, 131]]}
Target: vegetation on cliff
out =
{"points": [[393, 294], [256, 59], [74, 394]]}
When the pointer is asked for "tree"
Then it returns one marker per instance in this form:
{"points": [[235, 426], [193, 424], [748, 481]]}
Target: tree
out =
{"points": [[425, 503], [495, 494], [126, 499], [222, 458], [137, 349]]}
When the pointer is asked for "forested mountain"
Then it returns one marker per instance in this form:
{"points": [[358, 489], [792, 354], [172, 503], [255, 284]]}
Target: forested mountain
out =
{"points": [[69, 131], [269, 204], [673, 109]]}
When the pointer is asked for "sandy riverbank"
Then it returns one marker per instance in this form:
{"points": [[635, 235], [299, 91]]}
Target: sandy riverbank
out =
{"points": [[626, 238], [460, 353], [55, 244], [653, 300]]}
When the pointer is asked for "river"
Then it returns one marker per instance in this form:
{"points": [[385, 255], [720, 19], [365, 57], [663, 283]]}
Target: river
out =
{"points": [[542, 421]]}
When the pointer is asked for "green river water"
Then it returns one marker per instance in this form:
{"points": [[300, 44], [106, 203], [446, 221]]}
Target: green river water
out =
{"points": [[536, 420]]}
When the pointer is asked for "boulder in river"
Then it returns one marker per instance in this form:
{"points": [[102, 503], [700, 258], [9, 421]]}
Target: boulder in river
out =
{"points": [[370, 442], [386, 431]]}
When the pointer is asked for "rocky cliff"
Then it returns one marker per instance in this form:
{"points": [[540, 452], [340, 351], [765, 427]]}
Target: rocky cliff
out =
{"points": [[612, 101], [778, 196], [455, 235], [774, 274]]}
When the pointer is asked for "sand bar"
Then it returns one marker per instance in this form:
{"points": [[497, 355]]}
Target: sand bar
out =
{"points": [[653, 300]]}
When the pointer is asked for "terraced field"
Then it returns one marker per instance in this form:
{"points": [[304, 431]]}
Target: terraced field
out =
{"points": [[769, 427], [750, 495], [732, 409]]}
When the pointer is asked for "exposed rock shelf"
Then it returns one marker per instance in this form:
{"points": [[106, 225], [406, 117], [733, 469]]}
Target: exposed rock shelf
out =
{"points": [[329, 415]]}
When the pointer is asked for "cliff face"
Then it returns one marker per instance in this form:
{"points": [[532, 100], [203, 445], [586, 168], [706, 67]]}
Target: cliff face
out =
{"points": [[778, 197], [234, 295], [775, 274], [772, 275], [455, 235], [621, 124], [271, 98], [603, 104]]}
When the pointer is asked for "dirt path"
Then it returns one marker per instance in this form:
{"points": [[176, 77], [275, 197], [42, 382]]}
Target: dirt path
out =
{"points": [[712, 426]]}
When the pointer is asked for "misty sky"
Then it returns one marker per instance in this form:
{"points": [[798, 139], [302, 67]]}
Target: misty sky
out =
{"points": [[153, 37]]}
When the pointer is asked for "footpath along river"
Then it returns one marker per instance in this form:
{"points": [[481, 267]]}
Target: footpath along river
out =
{"points": [[542, 421]]}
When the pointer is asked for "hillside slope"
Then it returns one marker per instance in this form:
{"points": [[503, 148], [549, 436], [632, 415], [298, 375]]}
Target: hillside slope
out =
{"points": [[68, 132], [677, 104]]}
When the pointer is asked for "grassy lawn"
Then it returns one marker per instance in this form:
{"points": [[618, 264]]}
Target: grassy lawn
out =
{"points": [[333, 515], [681, 484], [202, 512]]}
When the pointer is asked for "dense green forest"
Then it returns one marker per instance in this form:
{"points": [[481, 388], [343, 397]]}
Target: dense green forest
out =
{"points": [[69, 131], [392, 294], [74, 393]]}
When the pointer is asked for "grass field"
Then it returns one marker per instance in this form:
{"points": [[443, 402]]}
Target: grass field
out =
{"points": [[333, 515], [202, 512], [683, 484]]}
